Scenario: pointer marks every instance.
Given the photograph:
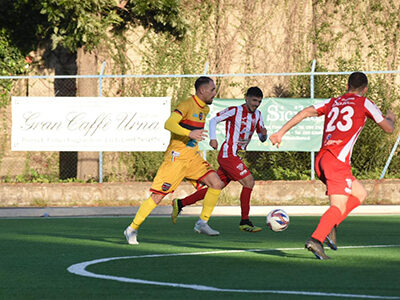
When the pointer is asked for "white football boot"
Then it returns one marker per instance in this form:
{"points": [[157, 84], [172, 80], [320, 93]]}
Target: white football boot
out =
{"points": [[131, 235], [203, 227]]}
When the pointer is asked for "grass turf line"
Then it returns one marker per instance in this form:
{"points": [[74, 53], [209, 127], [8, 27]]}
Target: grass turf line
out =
{"points": [[36, 253]]}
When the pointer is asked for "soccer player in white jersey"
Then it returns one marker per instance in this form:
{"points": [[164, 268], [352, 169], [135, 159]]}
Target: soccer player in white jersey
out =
{"points": [[345, 117], [241, 122]]}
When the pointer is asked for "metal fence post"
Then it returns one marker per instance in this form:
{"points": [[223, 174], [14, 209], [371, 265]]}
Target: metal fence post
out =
{"points": [[100, 95], [312, 97], [205, 73], [390, 157]]}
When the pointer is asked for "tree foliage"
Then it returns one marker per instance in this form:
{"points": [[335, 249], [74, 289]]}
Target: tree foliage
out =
{"points": [[11, 63], [72, 24], [76, 23]]}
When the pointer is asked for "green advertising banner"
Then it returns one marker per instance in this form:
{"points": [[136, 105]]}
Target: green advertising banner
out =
{"points": [[306, 136]]}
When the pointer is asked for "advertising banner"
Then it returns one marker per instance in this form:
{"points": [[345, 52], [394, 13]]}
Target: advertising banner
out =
{"points": [[306, 136], [90, 123]]}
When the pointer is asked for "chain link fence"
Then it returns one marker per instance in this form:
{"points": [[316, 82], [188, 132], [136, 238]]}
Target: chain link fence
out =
{"points": [[369, 156]]}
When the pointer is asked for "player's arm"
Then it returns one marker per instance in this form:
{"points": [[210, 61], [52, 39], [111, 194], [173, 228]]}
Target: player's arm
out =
{"points": [[172, 124], [276, 138], [213, 133], [262, 135], [388, 122], [261, 130], [221, 116]]}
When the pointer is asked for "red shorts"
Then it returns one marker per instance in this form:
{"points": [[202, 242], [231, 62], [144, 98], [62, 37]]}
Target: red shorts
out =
{"points": [[334, 173], [231, 168]]}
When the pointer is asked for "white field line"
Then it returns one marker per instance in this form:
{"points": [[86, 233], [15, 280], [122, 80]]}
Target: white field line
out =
{"points": [[80, 269]]}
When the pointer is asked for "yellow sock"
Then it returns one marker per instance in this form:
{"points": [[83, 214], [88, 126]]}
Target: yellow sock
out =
{"points": [[144, 210], [210, 200]]}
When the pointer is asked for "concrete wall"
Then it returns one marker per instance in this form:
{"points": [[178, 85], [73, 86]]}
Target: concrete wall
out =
{"points": [[132, 194]]}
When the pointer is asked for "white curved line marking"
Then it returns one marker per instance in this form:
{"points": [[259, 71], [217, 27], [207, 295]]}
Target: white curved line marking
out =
{"points": [[80, 269]]}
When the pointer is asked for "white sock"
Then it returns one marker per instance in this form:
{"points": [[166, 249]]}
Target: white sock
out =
{"points": [[200, 221]]}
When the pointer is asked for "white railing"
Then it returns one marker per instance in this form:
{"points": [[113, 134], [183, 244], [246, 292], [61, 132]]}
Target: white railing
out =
{"points": [[311, 74]]}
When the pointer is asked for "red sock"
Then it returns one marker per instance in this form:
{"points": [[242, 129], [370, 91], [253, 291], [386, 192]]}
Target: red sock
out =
{"points": [[328, 220], [351, 204], [245, 202], [193, 198]]}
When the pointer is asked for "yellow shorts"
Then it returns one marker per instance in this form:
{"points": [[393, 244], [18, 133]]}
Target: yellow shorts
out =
{"points": [[173, 170]]}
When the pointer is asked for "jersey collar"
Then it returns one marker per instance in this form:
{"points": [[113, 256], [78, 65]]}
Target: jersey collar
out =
{"points": [[198, 101], [349, 93]]}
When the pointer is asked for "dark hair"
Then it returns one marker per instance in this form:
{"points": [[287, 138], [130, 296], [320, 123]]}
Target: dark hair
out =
{"points": [[357, 80], [200, 81], [254, 91]]}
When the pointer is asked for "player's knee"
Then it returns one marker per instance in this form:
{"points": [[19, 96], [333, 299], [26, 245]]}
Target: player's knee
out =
{"points": [[157, 198], [217, 184], [220, 185], [359, 191], [248, 182], [251, 183], [362, 196]]}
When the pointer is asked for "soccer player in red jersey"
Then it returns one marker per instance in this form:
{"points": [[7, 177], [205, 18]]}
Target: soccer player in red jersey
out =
{"points": [[345, 117], [241, 122]]}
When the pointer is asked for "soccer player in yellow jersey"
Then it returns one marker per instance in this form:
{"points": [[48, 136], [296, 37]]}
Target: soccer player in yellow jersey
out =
{"points": [[183, 160]]}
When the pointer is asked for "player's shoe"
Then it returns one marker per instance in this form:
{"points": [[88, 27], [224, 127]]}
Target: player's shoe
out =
{"points": [[205, 228], [175, 210], [246, 225], [131, 235], [316, 247], [331, 239]]}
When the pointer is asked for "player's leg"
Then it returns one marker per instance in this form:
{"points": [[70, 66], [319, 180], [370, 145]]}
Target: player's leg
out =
{"points": [[245, 196], [200, 194], [215, 186], [235, 169], [179, 204], [201, 170], [168, 177], [144, 211], [337, 178], [357, 197], [341, 206], [331, 217]]}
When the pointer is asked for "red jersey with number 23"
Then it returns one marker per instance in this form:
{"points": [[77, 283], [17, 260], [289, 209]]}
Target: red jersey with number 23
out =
{"points": [[345, 117]]}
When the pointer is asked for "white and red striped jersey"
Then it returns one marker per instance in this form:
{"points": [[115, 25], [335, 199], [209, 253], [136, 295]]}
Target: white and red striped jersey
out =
{"points": [[239, 128], [345, 117]]}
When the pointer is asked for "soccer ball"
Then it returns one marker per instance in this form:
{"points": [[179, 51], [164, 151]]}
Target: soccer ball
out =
{"points": [[278, 220]]}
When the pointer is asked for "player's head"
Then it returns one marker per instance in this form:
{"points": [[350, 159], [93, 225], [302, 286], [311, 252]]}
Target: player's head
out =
{"points": [[358, 82], [253, 98], [205, 89], [255, 91]]}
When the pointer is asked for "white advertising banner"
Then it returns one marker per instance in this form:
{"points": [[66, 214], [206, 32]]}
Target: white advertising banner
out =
{"points": [[90, 123]]}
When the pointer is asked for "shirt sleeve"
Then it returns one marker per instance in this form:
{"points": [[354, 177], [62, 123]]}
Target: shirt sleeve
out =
{"points": [[182, 109], [259, 125], [372, 111], [221, 116], [321, 107], [172, 124], [260, 122]]}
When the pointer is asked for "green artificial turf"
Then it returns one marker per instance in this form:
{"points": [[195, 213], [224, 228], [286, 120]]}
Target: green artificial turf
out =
{"points": [[36, 253]]}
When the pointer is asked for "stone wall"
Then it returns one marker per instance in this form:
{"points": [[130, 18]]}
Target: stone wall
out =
{"points": [[132, 194]]}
